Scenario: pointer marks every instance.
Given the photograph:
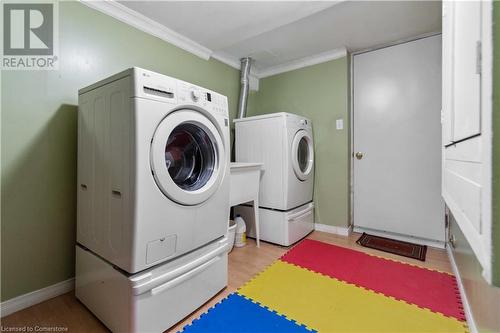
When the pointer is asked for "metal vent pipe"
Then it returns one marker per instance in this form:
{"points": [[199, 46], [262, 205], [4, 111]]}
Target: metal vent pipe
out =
{"points": [[245, 85]]}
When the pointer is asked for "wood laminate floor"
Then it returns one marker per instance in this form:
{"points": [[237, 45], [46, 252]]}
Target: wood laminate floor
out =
{"points": [[67, 312]]}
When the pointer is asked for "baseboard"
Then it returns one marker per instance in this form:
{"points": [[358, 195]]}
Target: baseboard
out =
{"points": [[404, 238], [465, 302], [331, 229], [24, 301]]}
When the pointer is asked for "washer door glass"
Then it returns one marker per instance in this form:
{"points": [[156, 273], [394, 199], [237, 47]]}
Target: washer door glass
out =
{"points": [[187, 157], [302, 154]]}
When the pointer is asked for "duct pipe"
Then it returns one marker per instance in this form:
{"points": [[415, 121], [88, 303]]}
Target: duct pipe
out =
{"points": [[245, 85]]}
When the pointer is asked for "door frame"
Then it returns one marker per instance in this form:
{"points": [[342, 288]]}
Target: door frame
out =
{"points": [[352, 225]]}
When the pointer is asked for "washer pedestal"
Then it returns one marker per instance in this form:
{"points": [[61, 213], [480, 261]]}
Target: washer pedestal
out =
{"points": [[155, 299], [279, 227]]}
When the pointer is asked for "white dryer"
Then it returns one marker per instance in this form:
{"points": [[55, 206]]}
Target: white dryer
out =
{"points": [[153, 199], [283, 142]]}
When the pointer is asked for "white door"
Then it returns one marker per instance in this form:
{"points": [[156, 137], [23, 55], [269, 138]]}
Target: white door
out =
{"points": [[187, 157], [397, 139]]}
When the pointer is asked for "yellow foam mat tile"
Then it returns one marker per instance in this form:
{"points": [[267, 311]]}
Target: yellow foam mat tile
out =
{"points": [[329, 305]]}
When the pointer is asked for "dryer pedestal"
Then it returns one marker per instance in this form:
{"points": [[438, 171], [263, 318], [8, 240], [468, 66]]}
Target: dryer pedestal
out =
{"points": [[279, 227], [155, 299]]}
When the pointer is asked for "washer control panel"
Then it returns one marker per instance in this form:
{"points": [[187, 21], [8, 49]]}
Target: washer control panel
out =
{"points": [[298, 121], [195, 95], [167, 89], [207, 99]]}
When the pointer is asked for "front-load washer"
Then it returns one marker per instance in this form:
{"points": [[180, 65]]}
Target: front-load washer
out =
{"points": [[153, 188], [283, 143], [153, 168]]}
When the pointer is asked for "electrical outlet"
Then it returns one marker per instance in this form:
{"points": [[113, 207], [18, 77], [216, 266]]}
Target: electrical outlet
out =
{"points": [[340, 124]]}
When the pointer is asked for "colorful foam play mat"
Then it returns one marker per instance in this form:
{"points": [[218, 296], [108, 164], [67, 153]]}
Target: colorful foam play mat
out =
{"points": [[327, 288]]}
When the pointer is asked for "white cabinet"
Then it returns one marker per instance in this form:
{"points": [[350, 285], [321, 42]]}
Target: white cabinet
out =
{"points": [[466, 69], [462, 69], [466, 121]]}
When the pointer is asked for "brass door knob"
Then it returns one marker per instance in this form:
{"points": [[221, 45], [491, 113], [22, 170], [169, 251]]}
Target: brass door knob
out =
{"points": [[359, 155]]}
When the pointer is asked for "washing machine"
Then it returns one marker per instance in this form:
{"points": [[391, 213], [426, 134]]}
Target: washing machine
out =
{"points": [[153, 199], [283, 143]]}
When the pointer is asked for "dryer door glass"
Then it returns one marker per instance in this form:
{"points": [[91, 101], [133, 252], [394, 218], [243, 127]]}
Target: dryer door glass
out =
{"points": [[302, 154], [189, 156]]}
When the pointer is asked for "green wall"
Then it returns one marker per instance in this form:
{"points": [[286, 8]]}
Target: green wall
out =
{"points": [[320, 93], [38, 137]]}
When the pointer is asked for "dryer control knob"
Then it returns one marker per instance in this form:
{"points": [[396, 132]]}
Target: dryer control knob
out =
{"points": [[195, 95]]}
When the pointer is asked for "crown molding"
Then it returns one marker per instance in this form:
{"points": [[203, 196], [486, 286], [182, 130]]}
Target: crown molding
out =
{"points": [[227, 59], [304, 62], [141, 22], [235, 63]]}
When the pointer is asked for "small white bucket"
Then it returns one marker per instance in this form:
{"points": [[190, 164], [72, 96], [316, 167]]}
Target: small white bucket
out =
{"points": [[231, 232]]}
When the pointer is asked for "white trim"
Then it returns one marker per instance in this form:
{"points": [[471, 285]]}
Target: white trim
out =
{"points": [[465, 301], [144, 23], [404, 238], [141, 22], [397, 42], [351, 138], [487, 133], [228, 59], [149, 26], [235, 63], [304, 62], [331, 229], [24, 301]]}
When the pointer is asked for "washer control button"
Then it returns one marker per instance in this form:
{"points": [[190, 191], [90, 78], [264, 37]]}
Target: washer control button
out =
{"points": [[195, 95]]}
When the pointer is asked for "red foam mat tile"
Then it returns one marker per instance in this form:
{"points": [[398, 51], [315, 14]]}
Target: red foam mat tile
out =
{"points": [[426, 288]]}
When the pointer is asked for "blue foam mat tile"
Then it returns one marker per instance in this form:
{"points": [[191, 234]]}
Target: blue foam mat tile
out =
{"points": [[236, 314]]}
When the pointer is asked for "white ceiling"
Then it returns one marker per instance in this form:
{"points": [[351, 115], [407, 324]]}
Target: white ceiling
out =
{"points": [[279, 32]]}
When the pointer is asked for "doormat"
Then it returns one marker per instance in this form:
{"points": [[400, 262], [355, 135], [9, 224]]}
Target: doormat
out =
{"points": [[326, 288], [405, 249]]}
